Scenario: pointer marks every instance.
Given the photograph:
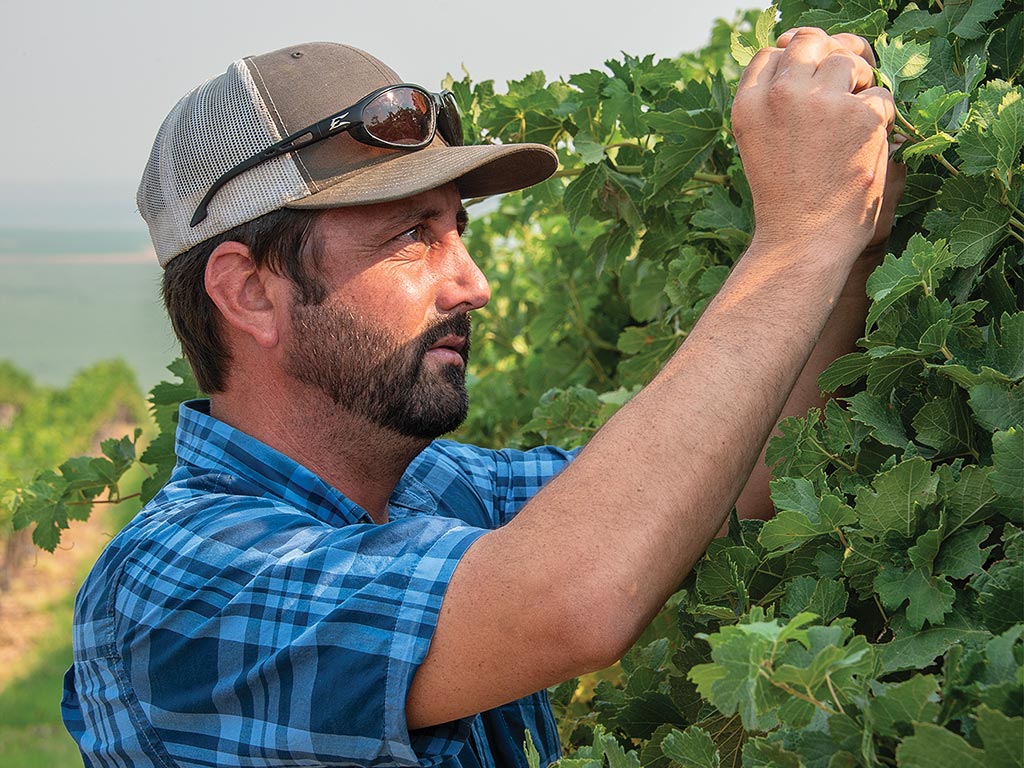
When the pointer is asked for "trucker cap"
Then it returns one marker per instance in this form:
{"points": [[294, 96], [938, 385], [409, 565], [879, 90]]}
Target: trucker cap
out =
{"points": [[259, 101]]}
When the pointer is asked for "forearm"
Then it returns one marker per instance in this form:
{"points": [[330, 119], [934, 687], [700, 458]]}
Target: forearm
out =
{"points": [[844, 327]]}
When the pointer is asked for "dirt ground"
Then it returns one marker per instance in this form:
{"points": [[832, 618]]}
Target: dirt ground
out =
{"points": [[44, 579]]}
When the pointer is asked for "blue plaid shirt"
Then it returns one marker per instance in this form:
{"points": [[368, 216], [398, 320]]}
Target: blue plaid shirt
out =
{"points": [[251, 615]]}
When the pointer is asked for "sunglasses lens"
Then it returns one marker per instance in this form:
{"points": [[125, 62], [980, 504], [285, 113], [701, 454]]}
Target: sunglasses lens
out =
{"points": [[401, 116]]}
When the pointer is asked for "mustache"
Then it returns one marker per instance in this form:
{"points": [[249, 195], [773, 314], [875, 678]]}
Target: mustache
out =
{"points": [[455, 325]]}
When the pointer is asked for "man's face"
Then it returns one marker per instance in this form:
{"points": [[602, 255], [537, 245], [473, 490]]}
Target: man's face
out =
{"points": [[391, 341]]}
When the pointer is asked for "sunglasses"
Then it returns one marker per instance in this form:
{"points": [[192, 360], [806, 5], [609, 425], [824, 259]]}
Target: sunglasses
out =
{"points": [[400, 116]]}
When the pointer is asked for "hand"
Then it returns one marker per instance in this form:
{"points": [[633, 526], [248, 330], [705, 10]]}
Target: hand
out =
{"points": [[812, 129], [896, 173]]}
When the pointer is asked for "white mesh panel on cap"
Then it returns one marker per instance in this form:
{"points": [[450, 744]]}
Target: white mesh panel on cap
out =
{"points": [[212, 129]]}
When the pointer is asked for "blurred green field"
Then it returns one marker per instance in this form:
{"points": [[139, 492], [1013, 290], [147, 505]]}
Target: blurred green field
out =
{"points": [[31, 732]]}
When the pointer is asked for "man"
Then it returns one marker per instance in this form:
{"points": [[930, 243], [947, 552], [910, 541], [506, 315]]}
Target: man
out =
{"points": [[324, 583]]}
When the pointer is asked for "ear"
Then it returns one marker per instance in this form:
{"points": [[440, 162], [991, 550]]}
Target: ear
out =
{"points": [[246, 295]]}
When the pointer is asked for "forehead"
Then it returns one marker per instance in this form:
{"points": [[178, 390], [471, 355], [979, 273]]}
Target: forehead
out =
{"points": [[380, 218]]}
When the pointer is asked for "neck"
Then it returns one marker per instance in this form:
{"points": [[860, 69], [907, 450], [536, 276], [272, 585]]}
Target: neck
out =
{"points": [[360, 459]]}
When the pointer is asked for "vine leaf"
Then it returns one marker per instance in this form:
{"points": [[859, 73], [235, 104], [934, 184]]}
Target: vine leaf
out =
{"points": [[897, 497]]}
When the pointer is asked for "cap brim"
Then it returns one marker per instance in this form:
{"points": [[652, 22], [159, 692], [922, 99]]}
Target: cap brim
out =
{"points": [[478, 170]]}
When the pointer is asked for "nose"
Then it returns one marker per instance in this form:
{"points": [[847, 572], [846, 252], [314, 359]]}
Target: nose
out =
{"points": [[464, 287]]}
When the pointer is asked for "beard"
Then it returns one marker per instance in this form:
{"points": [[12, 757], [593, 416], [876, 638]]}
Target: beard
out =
{"points": [[367, 371]]}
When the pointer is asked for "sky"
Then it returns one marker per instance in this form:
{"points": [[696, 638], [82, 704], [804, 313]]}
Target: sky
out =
{"points": [[87, 83]]}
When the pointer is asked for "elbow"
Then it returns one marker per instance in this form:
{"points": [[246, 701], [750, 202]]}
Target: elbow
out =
{"points": [[598, 631]]}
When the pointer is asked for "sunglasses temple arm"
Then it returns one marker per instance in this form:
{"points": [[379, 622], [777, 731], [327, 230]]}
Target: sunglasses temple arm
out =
{"points": [[310, 135]]}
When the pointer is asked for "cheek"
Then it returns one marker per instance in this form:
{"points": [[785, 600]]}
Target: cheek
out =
{"points": [[402, 299]]}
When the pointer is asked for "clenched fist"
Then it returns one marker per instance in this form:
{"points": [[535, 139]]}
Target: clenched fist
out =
{"points": [[812, 130]]}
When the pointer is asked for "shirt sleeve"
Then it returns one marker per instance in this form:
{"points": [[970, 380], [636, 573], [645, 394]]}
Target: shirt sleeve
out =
{"points": [[486, 488], [261, 636]]}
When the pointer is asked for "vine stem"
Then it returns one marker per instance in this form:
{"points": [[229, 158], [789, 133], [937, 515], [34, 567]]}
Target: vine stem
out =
{"points": [[915, 136], [835, 696], [797, 694], [842, 538], [881, 610], [833, 457], [118, 500]]}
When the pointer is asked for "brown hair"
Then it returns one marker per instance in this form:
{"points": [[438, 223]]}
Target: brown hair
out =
{"points": [[283, 241]]}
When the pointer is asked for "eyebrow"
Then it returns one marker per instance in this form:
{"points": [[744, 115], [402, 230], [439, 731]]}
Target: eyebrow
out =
{"points": [[425, 213]]}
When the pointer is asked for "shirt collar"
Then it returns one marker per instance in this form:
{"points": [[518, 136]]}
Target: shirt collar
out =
{"points": [[210, 444]]}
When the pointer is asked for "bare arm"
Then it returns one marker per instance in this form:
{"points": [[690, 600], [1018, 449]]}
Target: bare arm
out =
{"points": [[570, 583]]}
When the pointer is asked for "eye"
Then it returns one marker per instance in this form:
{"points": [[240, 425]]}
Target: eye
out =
{"points": [[417, 234]]}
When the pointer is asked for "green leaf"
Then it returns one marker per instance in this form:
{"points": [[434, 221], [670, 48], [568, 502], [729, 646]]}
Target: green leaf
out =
{"points": [[962, 555], [1003, 738], [689, 138], [897, 497], [744, 46], [993, 137], [795, 494], [693, 748], [932, 746], [1007, 354], [978, 232], [804, 594], [532, 755], [1006, 52], [912, 701], [892, 280], [1001, 596], [762, 753], [970, 17], [932, 106], [724, 217], [920, 649], [844, 370], [997, 407], [901, 63], [121, 452], [883, 421], [945, 425], [923, 553], [724, 570], [889, 367], [81, 476], [791, 528], [858, 17], [1008, 462], [935, 144], [579, 195], [928, 598]]}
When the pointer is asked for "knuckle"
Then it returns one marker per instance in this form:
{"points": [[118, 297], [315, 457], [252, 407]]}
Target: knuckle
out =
{"points": [[783, 91]]}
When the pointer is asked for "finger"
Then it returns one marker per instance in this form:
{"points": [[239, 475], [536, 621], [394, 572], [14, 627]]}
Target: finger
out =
{"points": [[857, 45], [785, 38], [879, 100], [761, 68], [843, 69], [803, 52], [853, 43]]}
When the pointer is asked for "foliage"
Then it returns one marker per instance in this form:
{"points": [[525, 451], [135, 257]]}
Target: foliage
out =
{"points": [[878, 619], [46, 424]]}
